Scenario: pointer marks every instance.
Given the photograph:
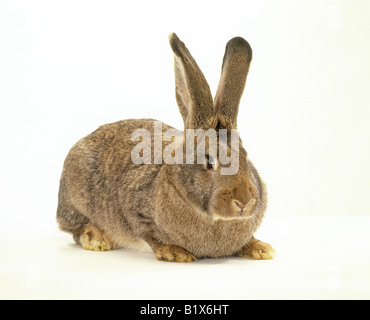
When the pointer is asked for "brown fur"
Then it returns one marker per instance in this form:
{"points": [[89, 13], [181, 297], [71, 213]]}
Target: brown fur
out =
{"points": [[182, 211]]}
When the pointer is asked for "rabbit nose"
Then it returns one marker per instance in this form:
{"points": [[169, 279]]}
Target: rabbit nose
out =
{"points": [[240, 205], [245, 209]]}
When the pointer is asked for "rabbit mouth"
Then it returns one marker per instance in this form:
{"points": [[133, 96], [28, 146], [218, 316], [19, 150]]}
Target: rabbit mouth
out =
{"points": [[241, 212], [217, 217]]}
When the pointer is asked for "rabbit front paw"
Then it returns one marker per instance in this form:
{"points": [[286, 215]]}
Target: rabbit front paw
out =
{"points": [[173, 254], [257, 250]]}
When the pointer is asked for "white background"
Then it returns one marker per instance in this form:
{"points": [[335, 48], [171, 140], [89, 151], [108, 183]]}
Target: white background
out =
{"points": [[67, 67]]}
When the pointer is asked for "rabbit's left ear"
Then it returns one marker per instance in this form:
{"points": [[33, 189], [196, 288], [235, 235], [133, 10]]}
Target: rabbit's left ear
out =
{"points": [[193, 95], [235, 67]]}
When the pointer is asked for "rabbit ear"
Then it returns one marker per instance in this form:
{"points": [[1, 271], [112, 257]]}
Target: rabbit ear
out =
{"points": [[192, 91], [235, 67]]}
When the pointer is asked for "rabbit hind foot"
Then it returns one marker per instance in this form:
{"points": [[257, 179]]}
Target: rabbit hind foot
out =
{"points": [[91, 238]]}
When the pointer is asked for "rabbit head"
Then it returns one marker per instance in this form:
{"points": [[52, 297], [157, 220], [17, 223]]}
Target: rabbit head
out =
{"points": [[236, 194]]}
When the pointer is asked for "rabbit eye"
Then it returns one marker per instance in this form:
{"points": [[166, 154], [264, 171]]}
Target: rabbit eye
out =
{"points": [[210, 163]]}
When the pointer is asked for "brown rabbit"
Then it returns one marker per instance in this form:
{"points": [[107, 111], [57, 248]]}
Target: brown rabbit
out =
{"points": [[183, 211]]}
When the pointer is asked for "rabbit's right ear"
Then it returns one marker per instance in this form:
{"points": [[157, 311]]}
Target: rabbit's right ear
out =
{"points": [[193, 95], [235, 67]]}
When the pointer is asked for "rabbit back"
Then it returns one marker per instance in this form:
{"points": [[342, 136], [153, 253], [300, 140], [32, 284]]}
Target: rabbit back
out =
{"points": [[100, 184]]}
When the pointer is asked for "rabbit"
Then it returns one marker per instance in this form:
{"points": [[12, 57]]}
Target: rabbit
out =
{"points": [[184, 212]]}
